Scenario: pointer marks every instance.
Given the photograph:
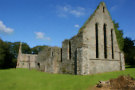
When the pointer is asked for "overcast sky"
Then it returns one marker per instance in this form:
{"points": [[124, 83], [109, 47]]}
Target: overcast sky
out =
{"points": [[49, 22]]}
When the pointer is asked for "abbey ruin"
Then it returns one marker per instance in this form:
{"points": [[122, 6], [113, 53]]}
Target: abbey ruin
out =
{"points": [[93, 50]]}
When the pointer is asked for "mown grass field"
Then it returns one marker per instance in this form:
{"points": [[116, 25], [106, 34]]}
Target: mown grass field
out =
{"points": [[23, 79]]}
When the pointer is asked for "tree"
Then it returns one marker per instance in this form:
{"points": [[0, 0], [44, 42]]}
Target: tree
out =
{"points": [[119, 35], [129, 51], [14, 48], [134, 42], [5, 56], [37, 49]]}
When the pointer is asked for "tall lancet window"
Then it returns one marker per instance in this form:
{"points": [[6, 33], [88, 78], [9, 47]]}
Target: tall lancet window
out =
{"points": [[69, 50], [96, 32], [103, 9], [105, 42], [61, 54], [112, 43]]}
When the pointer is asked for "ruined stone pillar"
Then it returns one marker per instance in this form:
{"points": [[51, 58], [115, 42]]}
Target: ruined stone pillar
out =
{"points": [[122, 61], [82, 61]]}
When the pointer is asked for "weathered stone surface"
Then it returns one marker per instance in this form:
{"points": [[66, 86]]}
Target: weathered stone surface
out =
{"points": [[26, 60], [78, 54]]}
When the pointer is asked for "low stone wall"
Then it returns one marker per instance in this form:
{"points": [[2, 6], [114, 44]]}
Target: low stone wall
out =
{"points": [[99, 66], [26, 61]]}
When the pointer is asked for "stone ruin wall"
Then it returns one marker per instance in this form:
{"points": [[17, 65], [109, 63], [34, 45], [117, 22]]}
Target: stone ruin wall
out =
{"points": [[49, 60], [60, 60], [70, 64], [26, 61], [101, 64]]}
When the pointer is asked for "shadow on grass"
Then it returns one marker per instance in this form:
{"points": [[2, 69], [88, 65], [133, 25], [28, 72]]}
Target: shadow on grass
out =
{"points": [[130, 66]]}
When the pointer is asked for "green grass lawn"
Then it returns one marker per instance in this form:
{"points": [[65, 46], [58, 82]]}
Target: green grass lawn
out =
{"points": [[23, 79]]}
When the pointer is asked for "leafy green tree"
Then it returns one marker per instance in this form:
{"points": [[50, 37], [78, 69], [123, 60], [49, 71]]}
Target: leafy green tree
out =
{"points": [[134, 42], [5, 56], [129, 51], [119, 35], [128, 45], [26, 48], [37, 49], [14, 48], [1, 54]]}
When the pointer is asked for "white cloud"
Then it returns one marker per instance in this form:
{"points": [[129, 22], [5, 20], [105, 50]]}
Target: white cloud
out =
{"points": [[77, 13], [5, 29], [41, 36], [113, 8], [77, 26], [64, 11]]}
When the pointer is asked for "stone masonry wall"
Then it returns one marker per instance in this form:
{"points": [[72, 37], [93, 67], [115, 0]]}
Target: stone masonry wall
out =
{"points": [[101, 64], [70, 63], [26, 61], [49, 60]]}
